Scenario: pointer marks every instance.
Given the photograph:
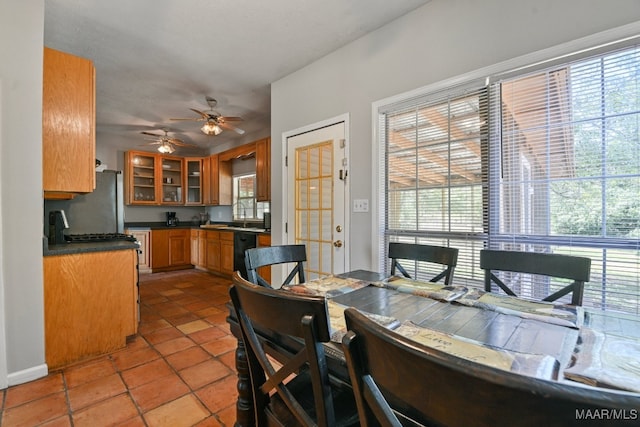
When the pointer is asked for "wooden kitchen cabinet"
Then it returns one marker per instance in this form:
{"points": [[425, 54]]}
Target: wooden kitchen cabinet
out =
{"points": [[213, 251], [90, 304], [170, 249], [202, 249], [263, 170], [141, 175], [159, 249], [154, 179], [195, 248], [179, 247], [144, 239], [219, 252], [68, 125], [225, 182], [211, 187], [226, 252], [194, 181], [199, 248], [172, 180]]}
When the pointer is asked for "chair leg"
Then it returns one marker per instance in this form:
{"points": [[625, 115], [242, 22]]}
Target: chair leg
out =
{"points": [[244, 405]]}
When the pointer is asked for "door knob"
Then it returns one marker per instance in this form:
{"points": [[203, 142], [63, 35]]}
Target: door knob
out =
{"points": [[337, 243]]}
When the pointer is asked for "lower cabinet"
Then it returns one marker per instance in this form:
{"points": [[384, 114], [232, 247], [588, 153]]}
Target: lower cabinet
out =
{"points": [[199, 248], [217, 251], [226, 252], [170, 249], [144, 259], [90, 304], [213, 251]]}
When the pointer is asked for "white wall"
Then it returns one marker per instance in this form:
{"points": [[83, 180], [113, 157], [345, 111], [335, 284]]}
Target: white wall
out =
{"points": [[441, 40], [21, 204]]}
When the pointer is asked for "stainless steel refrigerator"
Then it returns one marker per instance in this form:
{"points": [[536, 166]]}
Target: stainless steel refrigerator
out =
{"points": [[101, 211]]}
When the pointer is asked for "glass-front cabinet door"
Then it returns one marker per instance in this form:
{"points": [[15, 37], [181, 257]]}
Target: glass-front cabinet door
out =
{"points": [[172, 180], [142, 178], [194, 180]]}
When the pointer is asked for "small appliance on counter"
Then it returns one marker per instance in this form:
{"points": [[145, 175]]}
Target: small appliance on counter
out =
{"points": [[57, 224], [172, 220], [266, 221]]}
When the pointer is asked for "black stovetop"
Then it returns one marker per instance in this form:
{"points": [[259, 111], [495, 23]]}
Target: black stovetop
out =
{"points": [[98, 237]]}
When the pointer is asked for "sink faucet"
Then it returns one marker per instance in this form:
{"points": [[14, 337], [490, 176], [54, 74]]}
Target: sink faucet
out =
{"points": [[244, 212]]}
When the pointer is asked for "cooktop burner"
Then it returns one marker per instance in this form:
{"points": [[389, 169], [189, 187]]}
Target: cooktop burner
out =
{"points": [[98, 237]]}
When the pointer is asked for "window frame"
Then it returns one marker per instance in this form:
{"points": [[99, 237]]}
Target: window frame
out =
{"points": [[258, 208], [589, 46]]}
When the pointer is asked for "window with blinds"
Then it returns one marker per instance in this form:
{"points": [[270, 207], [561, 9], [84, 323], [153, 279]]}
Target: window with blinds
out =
{"points": [[565, 172], [548, 162], [435, 178]]}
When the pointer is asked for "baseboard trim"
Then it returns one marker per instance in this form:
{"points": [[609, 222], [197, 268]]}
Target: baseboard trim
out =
{"points": [[27, 375]]}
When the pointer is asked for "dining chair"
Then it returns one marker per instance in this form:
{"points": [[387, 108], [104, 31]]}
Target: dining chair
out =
{"points": [[296, 390], [255, 258], [434, 254], [399, 382], [577, 269]]}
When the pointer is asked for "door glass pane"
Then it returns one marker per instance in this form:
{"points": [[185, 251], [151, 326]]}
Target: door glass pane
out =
{"points": [[314, 195]]}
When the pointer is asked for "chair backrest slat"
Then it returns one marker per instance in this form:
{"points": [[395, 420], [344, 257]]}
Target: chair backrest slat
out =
{"points": [[445, 256], [569, 267], [272, 255]]}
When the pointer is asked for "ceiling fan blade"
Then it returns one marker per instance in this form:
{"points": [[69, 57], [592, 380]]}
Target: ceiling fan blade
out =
{"points": [[151, 134], [230, 118], [202, 113], [182, 144], [191, 119], [229, 127]]}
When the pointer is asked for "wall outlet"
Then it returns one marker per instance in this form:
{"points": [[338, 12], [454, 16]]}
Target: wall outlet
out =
{"points": [[361, 205]]}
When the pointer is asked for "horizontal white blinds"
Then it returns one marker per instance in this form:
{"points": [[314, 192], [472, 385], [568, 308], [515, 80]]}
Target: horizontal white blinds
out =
{"points": [[435, 175], [565, 170]]}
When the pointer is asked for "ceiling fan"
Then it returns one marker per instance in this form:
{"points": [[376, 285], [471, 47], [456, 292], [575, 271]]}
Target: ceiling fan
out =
{"points": [[214, 121], [164, 142]]}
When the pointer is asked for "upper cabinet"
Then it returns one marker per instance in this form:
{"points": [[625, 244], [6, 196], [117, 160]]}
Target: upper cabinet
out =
{"points": [[68, 125], [141, 178], [211, 180], [263, 170], [194, 168], [172, 180], [159, 179], [153, 179]]}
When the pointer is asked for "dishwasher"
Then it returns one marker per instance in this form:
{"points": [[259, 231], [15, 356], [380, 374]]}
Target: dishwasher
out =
{"points": [[241, 242]]}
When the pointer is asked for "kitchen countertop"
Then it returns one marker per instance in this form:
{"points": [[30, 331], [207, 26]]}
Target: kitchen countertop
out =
{"points": [[223, 226], [79, 248]]}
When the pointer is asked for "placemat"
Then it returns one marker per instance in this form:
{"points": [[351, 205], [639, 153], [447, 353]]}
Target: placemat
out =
{"points": [[558, 314], [338, 324], [327, 286], [535, 365], [606, 360], [436, 291]]}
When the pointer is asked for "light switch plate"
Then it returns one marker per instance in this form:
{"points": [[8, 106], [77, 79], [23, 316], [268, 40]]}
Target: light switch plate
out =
{"points": [[361, 205]]}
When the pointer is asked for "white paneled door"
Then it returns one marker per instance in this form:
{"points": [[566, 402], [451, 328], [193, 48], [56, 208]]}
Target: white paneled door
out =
{"points": [[317, 183]]}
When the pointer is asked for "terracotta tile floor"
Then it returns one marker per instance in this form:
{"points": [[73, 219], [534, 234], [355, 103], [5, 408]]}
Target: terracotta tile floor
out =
{"points": [[178, 371]]}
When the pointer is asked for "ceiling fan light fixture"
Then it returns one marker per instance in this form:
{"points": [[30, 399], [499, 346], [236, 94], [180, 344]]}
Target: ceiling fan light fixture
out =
{"points": [[166, 148], [210, 128]]}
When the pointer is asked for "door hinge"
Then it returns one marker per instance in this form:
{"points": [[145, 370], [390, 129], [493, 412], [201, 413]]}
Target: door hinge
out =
{"points": [[286, 161], [286, 227]]}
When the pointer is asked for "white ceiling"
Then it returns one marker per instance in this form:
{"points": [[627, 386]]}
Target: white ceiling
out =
{"points": [[155, 59]]}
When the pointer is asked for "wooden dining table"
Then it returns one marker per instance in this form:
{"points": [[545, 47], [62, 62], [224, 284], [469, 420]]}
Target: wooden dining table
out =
{"points": [[494, 329]]}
